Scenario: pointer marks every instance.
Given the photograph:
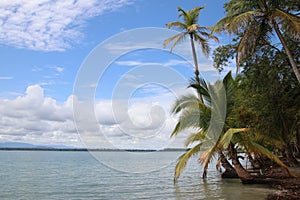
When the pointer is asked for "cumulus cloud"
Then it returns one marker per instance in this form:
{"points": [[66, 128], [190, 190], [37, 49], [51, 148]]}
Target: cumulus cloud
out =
{"points": [[143, 122], [49, 25], [34, 118], [140, 121]]}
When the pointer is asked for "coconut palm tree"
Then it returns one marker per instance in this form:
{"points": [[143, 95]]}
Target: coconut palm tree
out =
{"points": [[190, 28], [198, 115], [255, 21]]}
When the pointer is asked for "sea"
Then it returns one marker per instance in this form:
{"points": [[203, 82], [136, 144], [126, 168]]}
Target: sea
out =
{"points": [[76, 175]]}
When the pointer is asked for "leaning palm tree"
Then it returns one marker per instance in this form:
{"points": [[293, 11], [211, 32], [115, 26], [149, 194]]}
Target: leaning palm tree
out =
{"points": [[255, 21], [228, 140], [207, 118], [194, 31]]}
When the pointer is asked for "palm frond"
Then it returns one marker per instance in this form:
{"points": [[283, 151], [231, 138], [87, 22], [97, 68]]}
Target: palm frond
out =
{"points": [[290, 22], [201, 88], [190, 17], [189, 118], [256, 32], [195, 137], [177, 24], [237, 23], [203, 44], [184, 102], [264, 151], [178, 38], [230, 85], [195, 116], [184, 14], [195, 12], [268, 140], [183, 159], [227, 136], [220, 25], [207, 156]]}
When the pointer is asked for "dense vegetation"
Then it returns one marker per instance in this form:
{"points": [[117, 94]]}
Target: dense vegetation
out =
{"points": [[262, 109]]}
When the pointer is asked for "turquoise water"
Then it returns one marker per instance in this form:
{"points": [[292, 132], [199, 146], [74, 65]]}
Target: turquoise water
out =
{"points": [[77, 175]]}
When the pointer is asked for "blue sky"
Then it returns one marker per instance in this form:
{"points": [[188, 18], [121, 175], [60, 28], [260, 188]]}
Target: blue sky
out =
{"points": [[44, 45]]}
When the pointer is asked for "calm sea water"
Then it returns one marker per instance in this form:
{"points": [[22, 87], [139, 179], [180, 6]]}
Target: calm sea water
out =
{"points": [[77, 175]]}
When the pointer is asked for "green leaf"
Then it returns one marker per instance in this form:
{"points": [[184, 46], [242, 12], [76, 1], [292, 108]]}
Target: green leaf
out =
{"points": [[183, 159]]}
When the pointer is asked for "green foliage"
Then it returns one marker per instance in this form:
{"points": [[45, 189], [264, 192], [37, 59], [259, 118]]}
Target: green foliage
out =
{"points": [[189, 27], [222, 56], [227, 136], [183, 159], [262, 108], [196, 114], [254, 22], [269, 98]]}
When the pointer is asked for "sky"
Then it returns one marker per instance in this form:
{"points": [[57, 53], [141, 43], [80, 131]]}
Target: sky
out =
{"points": [[94, 72]]}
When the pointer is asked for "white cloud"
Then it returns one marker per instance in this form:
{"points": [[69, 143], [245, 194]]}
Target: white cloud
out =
{"points": [[169, 63], [57, 69], [49, 25], [6, 77], [139, 122], [135, 123], [204, 66], [183, 50], [44, 83], [34, 118]]}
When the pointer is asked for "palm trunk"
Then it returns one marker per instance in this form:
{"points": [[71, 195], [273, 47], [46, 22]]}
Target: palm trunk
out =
{"points": [[196, 65], [298, 143], [229, 170], [242, 173], [195, 58], [292, 161], [287, 50], [253, 162]]}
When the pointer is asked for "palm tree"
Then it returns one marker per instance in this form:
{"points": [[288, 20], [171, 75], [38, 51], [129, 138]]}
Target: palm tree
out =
{"points": [[196, 33], [231, 139], [197, 114], [255, 21]]}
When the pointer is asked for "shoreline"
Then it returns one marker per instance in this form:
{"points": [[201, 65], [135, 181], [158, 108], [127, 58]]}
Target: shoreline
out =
{"points": [[288, 188], [85, 149]]}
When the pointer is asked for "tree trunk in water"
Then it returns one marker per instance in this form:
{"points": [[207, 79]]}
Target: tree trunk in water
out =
{"points": [[242, 173], [229, 170], [288, 52]]}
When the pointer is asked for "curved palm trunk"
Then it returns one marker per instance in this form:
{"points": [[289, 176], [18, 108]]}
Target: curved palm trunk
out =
{"points": [[196, 64], [229, 170], [287, 50], [242, 173], [253, 162], [292, 161]]}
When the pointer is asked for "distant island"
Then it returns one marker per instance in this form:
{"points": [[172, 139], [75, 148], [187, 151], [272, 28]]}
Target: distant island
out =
{"points": [[20, 146]]}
